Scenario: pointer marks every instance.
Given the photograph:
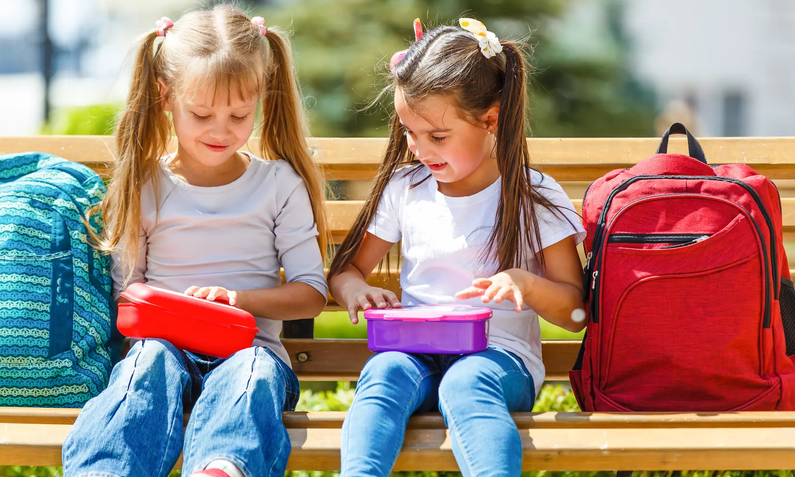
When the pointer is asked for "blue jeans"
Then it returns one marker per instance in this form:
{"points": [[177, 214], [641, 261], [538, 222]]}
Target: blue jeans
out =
{"points": [[135, 426], [475, 394]]}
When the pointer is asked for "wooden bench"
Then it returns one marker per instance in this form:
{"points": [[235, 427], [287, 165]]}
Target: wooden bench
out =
{"points": [[552, 441]]}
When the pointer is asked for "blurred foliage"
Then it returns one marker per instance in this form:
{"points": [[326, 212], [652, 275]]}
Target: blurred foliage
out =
{"points": [[98, 119], [342, 47]]}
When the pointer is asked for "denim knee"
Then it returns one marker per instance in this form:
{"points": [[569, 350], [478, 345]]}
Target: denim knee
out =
{"points": [[256, 367], [391, 366], [156, 351]]}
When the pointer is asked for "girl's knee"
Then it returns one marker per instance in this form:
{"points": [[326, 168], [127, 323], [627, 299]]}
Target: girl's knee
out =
{"points": [[155, 348], [255, 367], [390, 364], [153, 353], [466, 382]]}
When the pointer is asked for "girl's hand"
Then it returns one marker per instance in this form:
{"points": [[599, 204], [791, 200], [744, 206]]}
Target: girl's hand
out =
{"points": [[213, 294], [507, 285], [366, 297]]}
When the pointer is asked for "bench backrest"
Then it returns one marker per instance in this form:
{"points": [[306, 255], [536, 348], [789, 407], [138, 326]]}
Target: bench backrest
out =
{"points": [[572, 162]]}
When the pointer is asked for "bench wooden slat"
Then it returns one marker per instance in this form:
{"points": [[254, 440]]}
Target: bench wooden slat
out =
{"points": [[342, 360], [585, 449], [592, 448], [523, 420], [566, 159], [574, 420], [342, 214]]}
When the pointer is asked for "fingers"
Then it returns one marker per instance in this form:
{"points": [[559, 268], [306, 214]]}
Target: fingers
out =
{"points": [[191, 290], [212, 294], [392, 299], [216, 292], [376, 297], [201, 292], [482, 283], [498, 294], [369, 298], [478, 288], [232, 297], [363, 302], [502, 293], [519, 300], [353, 314], [490, 292], [468, 293]]}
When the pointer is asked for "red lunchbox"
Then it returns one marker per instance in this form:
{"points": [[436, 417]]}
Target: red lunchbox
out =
{"points": [[189, 323]]}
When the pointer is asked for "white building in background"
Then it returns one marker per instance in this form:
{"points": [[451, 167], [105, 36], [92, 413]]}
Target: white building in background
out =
{"points": [[733, 61]]}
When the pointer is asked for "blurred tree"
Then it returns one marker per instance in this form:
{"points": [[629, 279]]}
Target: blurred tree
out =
{"points": [[591, 96], [342, 46]]}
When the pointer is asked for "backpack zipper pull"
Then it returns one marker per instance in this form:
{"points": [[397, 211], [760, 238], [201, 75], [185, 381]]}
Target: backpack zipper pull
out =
{"points": [[593, 282], [585, 270]]}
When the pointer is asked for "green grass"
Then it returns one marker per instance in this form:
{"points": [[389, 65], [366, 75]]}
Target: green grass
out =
{"points": [[335, 324]]}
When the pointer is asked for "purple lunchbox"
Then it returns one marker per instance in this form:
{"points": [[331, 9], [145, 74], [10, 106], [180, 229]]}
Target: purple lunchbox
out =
{"points": [[442, 329]]}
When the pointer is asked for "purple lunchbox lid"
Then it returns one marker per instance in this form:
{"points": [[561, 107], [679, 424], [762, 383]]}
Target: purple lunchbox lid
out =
{"points": [[430, 313]]}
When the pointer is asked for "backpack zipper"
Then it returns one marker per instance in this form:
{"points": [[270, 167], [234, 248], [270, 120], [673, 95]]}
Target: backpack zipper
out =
{"points": [[677, 239], [596, 249], [597, 242]]}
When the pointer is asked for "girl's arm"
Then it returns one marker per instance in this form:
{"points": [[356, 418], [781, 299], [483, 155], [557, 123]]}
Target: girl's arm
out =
{"points": [[349, 287], [554, 296], [296, 246], [298, 300], [291, 301]]}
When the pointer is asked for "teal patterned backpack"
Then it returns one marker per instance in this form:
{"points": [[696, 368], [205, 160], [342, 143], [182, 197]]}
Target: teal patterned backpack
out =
{"points": [[56, 312]]}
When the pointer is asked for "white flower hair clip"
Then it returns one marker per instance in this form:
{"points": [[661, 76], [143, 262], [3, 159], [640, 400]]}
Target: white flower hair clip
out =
{"points": [[489, 43]]}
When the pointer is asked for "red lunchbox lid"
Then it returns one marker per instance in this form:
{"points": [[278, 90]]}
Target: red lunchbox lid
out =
{"points": [[189, 323], [453, 313], [199, 308]]}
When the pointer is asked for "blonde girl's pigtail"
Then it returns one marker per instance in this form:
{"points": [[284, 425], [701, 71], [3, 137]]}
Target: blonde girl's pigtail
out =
{"points": [[284, 129], [141, 139]]}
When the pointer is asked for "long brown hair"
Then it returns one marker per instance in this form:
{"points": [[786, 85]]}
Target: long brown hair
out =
{"points": [[220, 49], [447, 61]]}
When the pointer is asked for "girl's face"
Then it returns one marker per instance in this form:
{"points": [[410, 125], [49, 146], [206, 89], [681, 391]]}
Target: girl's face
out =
{"points": [[456, 151], [211, 129]]}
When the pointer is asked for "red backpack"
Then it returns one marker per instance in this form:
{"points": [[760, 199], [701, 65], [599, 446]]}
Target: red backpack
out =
{"points": [[686, 284]]}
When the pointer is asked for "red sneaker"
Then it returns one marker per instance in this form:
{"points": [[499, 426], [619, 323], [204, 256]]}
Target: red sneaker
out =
{"points": [[210, 473]]}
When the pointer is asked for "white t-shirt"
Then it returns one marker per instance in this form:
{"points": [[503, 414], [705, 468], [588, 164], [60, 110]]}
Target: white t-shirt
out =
{"points": [[443, 240], [235, 236]]}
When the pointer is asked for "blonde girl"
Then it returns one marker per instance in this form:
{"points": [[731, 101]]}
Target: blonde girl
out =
{"points": [[216, 223]]}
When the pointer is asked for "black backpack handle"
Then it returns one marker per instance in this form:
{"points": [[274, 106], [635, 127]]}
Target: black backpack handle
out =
{"points": [[694, 149]]}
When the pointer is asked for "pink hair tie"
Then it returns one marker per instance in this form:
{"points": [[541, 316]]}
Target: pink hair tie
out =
{"points": [[400, 54], [162, 25], [260, 22]]}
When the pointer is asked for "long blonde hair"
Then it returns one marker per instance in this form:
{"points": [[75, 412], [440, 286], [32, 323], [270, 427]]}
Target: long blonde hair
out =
{"points": [[219, 48]]}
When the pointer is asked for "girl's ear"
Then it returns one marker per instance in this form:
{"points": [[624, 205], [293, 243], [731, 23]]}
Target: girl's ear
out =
{"points": [[165, 98], [489, 118]]}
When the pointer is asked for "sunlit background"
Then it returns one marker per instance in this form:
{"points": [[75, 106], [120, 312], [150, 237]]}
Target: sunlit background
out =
{"points": [[602, 67]]}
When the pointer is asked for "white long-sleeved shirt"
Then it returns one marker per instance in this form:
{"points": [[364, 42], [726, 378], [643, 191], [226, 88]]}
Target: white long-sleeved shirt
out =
{"points": [[235, 236]]}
